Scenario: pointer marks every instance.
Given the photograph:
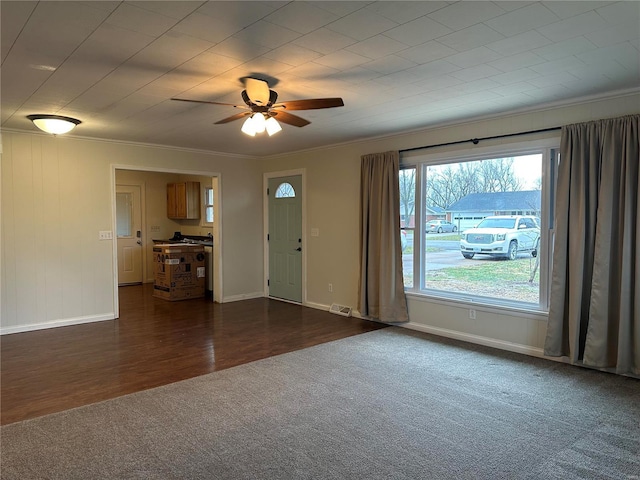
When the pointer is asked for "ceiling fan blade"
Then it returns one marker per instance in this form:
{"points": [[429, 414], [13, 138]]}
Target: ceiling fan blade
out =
{"points": [[237, 116], [258, 91], [289, 119], [311, 104], [207, 102]]}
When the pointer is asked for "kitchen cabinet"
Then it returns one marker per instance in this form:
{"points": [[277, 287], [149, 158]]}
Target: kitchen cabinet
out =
{"points": [[183, 200]]}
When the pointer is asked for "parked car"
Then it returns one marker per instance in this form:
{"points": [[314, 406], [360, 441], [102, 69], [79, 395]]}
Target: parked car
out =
{"points": [[502, 236], [439, 226]]}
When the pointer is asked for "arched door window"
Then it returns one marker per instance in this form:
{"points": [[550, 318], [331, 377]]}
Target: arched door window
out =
{"points": [[285, 190]]}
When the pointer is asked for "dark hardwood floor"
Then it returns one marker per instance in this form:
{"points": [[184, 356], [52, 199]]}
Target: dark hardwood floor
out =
{"points": [[153, 343]]}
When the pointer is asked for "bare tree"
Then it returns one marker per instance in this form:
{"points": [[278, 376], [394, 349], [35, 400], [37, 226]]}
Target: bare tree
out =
{"points": [[497, 175], [407, 194], [535, 267], [449, 183], [442, 186], [469, 179], [537, 184]]}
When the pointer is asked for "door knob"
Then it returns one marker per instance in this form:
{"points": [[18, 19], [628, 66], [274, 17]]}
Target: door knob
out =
{"points": [[299, 249], [139, 242]]}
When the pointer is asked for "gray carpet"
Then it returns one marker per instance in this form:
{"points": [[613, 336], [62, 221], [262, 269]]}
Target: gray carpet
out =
{"points": [[389, 404]]}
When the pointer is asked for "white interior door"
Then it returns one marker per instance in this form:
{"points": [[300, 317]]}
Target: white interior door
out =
{"points": [[129, 234], [285, 238]]}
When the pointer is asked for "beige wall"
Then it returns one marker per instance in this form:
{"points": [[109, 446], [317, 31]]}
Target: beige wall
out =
{"points": [[57, 196], [157, 225], [333, 179]]}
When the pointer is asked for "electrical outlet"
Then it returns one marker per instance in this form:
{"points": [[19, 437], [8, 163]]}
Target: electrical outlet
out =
{"points": [[472, 314], [331, 287]]}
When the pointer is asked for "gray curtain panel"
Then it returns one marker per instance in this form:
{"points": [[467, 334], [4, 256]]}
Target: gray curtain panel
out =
{"points": [[594, 313], [381, 286]]}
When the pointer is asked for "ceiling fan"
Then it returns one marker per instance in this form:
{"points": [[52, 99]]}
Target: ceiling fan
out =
{"points": [[263, 111]]}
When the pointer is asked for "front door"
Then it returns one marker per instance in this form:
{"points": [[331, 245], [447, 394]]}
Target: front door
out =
{"points": [[129, 234], [285, 238]]}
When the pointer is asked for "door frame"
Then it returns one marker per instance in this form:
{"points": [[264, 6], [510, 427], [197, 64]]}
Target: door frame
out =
{"points": [[265, 215], [143, 226], [217, 253]]}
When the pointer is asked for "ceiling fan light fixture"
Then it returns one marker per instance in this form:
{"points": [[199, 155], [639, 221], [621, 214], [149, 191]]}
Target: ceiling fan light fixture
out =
{"points": [[54, 124], [261, 107], [272, 126], [258, 122], [248, 128]]}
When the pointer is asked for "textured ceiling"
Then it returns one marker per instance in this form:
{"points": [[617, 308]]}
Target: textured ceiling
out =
{"points": [[398, 66]]}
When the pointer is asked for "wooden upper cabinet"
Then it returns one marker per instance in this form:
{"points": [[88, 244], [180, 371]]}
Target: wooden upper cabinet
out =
{"points": [[171, 200], [183, 200]]}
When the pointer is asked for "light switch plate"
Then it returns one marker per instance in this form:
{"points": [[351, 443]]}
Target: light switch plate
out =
{"points": [[315, 232], [105, 235]]}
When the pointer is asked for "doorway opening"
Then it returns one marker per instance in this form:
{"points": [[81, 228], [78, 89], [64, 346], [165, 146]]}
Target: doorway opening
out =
{"points": [[156, 224]]}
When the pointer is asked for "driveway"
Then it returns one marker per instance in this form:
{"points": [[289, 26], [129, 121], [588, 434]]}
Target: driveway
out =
{"points": [[448, 255], [438, 260]]}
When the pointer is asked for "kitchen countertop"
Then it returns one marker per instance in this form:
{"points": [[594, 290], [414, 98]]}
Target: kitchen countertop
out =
{"points": [[192, 239]]}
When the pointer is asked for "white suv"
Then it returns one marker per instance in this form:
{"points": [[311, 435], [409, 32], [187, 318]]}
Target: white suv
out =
{"points": [[502, 236]]}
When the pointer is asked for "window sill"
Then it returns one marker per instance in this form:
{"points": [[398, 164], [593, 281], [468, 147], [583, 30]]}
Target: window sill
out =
{"points": [[480, 304]]}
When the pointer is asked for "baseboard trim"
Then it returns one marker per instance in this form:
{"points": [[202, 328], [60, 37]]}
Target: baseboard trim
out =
{"points": [[57, 323], [477, 339], [244, 296], [317, 306]]}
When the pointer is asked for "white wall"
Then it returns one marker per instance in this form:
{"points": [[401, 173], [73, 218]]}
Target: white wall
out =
{"points": [[57, 196], [333, 182]]}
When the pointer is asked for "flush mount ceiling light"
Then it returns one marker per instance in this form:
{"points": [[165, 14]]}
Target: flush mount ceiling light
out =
{"points": [[54, 124]]}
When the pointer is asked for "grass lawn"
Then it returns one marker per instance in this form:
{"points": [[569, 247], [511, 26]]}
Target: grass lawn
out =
{"points": [[409, 250], [440, 238], [489, 277]]}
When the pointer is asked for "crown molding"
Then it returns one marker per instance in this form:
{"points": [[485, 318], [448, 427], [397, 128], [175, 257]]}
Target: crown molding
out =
{"points": [[506, 114], [135, 144]]}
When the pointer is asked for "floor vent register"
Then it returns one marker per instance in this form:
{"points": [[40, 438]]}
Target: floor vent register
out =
{"points": [[340, 310]]}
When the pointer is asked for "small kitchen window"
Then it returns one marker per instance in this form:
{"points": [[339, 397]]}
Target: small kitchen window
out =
{"points": [[208, 205]]}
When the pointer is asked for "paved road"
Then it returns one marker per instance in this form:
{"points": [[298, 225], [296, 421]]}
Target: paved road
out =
{"points": [[438, 260], [449, 256], [445, 244]]}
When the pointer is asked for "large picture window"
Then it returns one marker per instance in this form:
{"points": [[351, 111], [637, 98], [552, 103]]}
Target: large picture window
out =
{"points": [[482, 227]]}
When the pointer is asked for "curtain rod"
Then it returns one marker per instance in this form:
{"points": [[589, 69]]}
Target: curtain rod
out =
{"points": [[475, 141]]}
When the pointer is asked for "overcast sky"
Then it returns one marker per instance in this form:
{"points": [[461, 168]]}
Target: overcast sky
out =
{"points": [[528, 169]]}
